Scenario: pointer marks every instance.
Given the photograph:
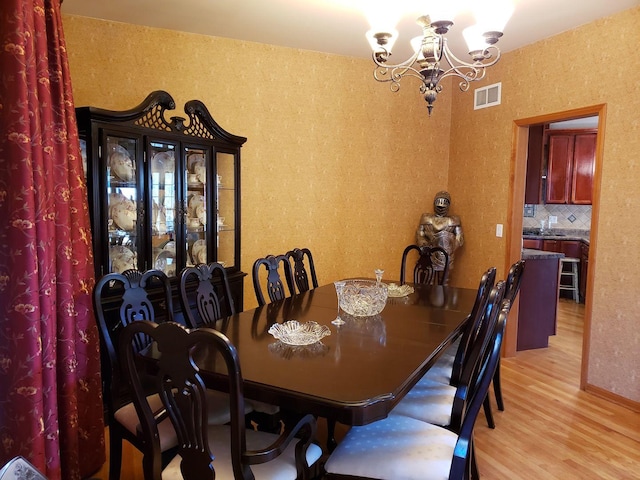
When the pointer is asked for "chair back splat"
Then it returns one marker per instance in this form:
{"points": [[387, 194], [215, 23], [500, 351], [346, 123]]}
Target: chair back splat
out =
{"points": [[300, 274], [205, 295], [209, 451], [431, 268], [274, 286]]}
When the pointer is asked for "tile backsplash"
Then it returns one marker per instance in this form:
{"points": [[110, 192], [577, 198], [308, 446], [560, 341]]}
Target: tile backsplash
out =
{"points": [[576, 217]]}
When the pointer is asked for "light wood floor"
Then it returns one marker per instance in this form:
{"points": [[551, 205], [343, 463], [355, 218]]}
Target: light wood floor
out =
{"points": [[549, 430]]}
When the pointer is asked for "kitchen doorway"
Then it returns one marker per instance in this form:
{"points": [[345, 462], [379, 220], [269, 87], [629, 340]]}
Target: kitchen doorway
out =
{"points": [[516, 208]]}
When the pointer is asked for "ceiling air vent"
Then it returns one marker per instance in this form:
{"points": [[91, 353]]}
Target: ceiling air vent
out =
{"points": [[488, 96]]}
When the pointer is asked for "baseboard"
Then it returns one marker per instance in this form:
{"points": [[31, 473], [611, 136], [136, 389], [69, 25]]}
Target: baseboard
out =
{"points": [[612, 397]]}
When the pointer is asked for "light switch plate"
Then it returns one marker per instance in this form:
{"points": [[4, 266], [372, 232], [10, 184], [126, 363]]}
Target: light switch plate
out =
{"points": [[553, 219], [499, 230]]}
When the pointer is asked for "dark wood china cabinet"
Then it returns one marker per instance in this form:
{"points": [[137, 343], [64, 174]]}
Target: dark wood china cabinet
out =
{"points": [[164, 191]]}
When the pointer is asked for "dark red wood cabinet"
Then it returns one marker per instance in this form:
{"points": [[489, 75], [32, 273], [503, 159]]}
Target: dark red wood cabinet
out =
{"points": [[570, 248], [532, 243], [535, 154], [570, 167], [584, 267]]}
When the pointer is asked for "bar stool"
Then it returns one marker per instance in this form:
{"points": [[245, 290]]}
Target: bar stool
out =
{"points": [[571, 272]]}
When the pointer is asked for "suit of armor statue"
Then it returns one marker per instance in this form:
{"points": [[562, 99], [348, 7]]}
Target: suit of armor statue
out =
{"points": [[439, 229]]}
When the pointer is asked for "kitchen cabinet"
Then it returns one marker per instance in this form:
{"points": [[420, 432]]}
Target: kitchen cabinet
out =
{"points": [[570, 167], [570, 248], [535, 154], [584, 267], [532, 243], [164, 191], [538, 300]]}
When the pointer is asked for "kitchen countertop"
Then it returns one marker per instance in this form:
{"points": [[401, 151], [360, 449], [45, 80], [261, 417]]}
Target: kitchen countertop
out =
{"points": [[532, 254], [557, 234]]}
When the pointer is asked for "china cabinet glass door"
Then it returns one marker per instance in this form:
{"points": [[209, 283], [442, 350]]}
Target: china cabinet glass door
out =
{"points": [[196, 217], [163, 202], [226, 208], [121, 173]]}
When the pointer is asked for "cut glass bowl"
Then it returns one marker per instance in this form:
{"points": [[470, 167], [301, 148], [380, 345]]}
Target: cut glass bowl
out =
{"points": [[363, 298], [296, 333]]}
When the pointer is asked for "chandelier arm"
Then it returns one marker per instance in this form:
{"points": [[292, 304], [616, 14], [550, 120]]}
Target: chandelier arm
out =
{"points": [[467, 73], [395, 73], [486, 53], [385, 55]]}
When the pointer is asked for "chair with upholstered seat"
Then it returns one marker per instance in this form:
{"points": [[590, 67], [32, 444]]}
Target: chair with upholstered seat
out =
{"points": [[300, 274], [209, 451], [514, 278], [431, 268], [444, 404], [19, 468], [400, 447], [448, 368], [120, 299], [274, 286], [205, 289]]}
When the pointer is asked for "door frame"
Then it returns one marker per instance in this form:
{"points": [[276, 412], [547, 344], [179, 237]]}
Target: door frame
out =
{"points": [[515, 219]]}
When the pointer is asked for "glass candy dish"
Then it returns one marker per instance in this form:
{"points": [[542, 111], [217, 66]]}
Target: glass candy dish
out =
{"points": [[363, 298], [396, 290], [296, 333]]}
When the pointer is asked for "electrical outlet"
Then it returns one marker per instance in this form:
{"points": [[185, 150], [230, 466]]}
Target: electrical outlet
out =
{"points": [[499, 230], [552, 219]]}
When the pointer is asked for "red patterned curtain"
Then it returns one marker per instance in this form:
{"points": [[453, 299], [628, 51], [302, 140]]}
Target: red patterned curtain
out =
{"points": [[50, 394]]}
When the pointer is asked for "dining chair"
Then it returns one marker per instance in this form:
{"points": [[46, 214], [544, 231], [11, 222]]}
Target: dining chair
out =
{"points": [[404, 448], [431, 268], [274, 286], [514, 278], [19, 468], [444, 404], [205, 289], [209, 451], [205, 295], [448, 368], [120, 299], [300, 274]]}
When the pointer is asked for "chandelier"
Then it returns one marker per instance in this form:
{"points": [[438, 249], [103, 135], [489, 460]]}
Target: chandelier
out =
{"points": [[433, 60]]}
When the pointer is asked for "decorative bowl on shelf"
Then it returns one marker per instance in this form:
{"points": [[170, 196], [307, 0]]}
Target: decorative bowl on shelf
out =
{"points": [[363, 298], [296, 333]]}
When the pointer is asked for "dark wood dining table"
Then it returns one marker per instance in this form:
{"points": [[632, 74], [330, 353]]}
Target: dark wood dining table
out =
{"points": [[357, 374]]}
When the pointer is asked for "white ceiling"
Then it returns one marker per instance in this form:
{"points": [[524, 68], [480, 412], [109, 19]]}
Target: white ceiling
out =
{"points": [[338, 26]]}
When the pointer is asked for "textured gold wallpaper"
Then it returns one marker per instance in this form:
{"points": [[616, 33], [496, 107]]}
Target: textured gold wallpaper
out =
{"points": [[587, 66], [334, 160]]}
